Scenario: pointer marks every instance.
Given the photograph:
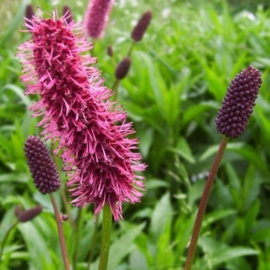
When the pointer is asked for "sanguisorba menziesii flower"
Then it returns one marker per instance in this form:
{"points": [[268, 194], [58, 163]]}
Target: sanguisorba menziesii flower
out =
{"points": [[238, 103], [96, 17], [100, 160]]}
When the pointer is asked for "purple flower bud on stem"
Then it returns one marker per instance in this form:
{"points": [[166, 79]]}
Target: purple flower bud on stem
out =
{"points": [[97, 16], [29, 214], [67, 14], [41, 165], [122, 68], [141, 26], [238, 103]]}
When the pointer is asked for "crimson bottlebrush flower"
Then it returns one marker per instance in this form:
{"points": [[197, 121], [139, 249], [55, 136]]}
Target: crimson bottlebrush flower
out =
{"points": [[141, 27], [29, 214], [67, 14], [97, 16], [77, 112], [238, 103], [29, 13], [41, 165], [122, 68]]}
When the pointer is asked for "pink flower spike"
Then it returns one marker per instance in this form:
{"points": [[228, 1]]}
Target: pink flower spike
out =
{"points": [[96, 17], [100, 161]]}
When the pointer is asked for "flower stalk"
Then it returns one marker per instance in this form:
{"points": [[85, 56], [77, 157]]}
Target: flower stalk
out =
{"points": [[203, 203], [106, 235], [60, 232], [231, 122]]}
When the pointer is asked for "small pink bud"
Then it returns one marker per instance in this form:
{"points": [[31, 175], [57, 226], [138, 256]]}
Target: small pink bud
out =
{"points": [[64, 217]]}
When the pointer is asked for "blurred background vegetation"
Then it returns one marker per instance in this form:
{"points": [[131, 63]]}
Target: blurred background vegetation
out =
{"points": [[179, 75]]}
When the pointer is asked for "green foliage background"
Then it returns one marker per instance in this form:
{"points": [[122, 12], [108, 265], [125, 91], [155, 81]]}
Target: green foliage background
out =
{"points": [[179, 76]]}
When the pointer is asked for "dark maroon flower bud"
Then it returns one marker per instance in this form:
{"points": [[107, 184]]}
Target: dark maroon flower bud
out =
{"points": [[110, 50], [41, 165], [141, 26], [238, 103], [29, 214], [122, 68], [29, 13], [67, 14]]}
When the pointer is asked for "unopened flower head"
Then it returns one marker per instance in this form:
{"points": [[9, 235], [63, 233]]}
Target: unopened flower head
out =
{"points": [[122, 68], [141, 27], [29, 13], [41, 165], [97, 16], [29, 214], [99, 158], [238, 103], [67, 13]]}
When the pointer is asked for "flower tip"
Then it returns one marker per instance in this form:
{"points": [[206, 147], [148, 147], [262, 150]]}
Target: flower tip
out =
{"points": [[29, 13], [96, 17], [238, 103], [141, 27], [66, 12]]}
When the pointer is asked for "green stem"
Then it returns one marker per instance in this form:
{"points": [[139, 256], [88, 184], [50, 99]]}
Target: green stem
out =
{"points": [[5, 239], [115, 89], [62, 190], [130, 48], [60, 232], [93, 243], [203, 203], [106, 235], [77, 236], [66, 205]]}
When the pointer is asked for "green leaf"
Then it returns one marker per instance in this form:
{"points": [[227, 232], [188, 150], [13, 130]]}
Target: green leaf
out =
{"points": [[117, 252], [182, 148], [246, 151], [161, 214]]}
